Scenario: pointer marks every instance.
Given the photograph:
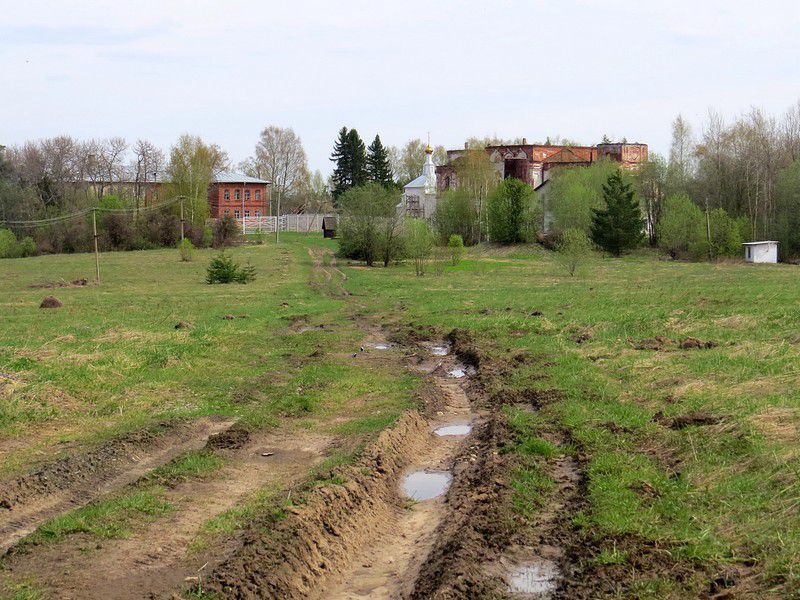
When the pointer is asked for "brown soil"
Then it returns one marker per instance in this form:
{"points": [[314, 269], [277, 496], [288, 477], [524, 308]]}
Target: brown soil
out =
{"points": [[51, 302], [72, 481], [61, 284], [157, 558]]}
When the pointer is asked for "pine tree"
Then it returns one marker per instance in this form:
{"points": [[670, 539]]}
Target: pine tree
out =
{"points": [[358, 158], [341, 172], [378, 168], [619, 227]]}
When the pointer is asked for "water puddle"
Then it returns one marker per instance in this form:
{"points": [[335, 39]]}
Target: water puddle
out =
{"points": [[381, 346], [536, 579], [447, 430], [424, 485], [457, 373], [440, 350]]}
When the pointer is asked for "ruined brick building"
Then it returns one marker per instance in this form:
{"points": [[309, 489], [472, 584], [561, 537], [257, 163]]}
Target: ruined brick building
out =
{"points": [[533, 163]]}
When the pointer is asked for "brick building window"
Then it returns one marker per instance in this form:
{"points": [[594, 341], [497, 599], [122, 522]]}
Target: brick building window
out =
{"points": [[226, 212], [226, 195], [258, 194], [247, 213], [258, 212], [247, 194], [236, 213], [237, 194]]}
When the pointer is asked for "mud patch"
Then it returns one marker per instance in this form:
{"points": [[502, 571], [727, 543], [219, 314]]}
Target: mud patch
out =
{"points": [[534, 580], [230, 439], [61, 283]]}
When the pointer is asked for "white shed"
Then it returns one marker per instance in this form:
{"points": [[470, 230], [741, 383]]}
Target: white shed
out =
{"points": [[761, 252]]}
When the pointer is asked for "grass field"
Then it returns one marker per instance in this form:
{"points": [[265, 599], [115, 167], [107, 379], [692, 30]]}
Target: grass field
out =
{"points": [[689, 453]]}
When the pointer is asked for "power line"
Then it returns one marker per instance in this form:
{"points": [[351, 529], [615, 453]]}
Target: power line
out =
{"points": [[86, 211]]}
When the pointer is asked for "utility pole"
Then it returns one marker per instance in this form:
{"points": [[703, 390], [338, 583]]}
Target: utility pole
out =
{"points": [[96, 250], [278, 216]]}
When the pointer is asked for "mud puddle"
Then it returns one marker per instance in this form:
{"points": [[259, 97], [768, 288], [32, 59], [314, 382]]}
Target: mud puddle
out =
{"points": [[380, 346], [426, 485], [534, 580], [457, 372], [453, 430]]}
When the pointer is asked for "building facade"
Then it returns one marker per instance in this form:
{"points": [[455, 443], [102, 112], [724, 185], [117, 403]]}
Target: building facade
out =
{"points": [[533, 163], [239, 196], [419, 195]]}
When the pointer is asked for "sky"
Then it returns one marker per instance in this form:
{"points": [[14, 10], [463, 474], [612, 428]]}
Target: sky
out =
{"points": [[225, 70]]}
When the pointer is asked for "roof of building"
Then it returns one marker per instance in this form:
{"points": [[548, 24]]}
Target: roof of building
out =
{"points": [[541, 185], [759, 243], [230, 177], [329, 222], [417, 183]]}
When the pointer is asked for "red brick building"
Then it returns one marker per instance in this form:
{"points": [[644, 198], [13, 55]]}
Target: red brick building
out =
{"points": [[532, 163], [238, 195]]}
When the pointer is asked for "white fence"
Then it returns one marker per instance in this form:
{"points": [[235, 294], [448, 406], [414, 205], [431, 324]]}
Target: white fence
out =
{"points": [[303, 223]]}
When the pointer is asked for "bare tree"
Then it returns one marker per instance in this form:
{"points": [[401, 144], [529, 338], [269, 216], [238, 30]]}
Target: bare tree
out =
{"points": [[407, 161], [681, 155], [148, 163], [279, 158]]}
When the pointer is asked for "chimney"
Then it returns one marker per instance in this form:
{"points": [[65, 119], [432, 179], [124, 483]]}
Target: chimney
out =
{"points": [[524, 141]]}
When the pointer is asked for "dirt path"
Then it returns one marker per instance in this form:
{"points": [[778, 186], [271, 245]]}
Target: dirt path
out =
{"points": [[30, 500], [158, 557], [389, 565]]}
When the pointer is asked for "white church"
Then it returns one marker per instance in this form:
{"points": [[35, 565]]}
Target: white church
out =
{"points": [[419, 195]]}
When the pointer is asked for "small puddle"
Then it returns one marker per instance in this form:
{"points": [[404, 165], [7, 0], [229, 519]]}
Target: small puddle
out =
{"points": [[424, 485], [457, 373], [538, 579], [440, 350], [446, 430], [381, 346]]}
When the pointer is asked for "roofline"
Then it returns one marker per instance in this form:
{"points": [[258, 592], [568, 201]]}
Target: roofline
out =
{"points": [[762, 242]]}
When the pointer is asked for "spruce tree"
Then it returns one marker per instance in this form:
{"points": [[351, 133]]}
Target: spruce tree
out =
{"points": [[619, 227], [378, 168], [341, 172], [357, 153]]}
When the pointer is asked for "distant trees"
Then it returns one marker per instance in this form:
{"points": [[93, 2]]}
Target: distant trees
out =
{"points": [[378, 168], [456, 214], [192, 166], [513, 212], [407, 161], [682, 228], [280, 158], [619, 226], [350, 158], [577, 191], [369, 225]]}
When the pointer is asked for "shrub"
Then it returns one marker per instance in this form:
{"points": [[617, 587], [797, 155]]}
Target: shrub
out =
{"points": [[223, 269], [186, 250], [726, 238], [513, 212], [27, 246], [418, 243], [226, 232], [572, 249], [456, 215], [369, 227], [681, 230], [456, 245], [8, 244], [118, 227]]}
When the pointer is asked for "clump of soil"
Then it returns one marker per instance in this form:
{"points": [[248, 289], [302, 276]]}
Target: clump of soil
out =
{"points": [[183, 325], [51, 302], [657, 343], [463, 345], [61, 284], [228, 317], [581, 337], [230, 439], [693, 418], [691, 343]]}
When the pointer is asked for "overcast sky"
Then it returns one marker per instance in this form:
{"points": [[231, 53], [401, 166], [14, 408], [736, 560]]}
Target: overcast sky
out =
{"points": [[224, 70]]}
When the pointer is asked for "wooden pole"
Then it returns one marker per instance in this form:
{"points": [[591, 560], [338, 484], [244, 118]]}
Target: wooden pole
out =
{"points": [[96, 250], [182, 219], [278, 216]]}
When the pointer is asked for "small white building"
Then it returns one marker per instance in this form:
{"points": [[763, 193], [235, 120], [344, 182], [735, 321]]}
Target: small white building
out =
{"points": [[761, 252], [419, 195]]}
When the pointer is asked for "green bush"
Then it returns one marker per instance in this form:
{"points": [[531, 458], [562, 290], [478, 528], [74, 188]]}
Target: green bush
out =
{"points": [[456, 215], [573, 248], [27, 247], [513, 212], [726, 238], [369, 226], [681, 230], [186, 250], [8, 244], [223, 269], [418, 239], [456, 245]]}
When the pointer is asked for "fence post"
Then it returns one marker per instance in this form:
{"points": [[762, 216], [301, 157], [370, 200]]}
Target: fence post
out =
{"points": [[96, 250], [182, 219]]}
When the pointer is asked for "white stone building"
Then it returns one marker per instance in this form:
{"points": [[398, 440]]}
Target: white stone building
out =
{"points": [[761, 252], [419, 195]]}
